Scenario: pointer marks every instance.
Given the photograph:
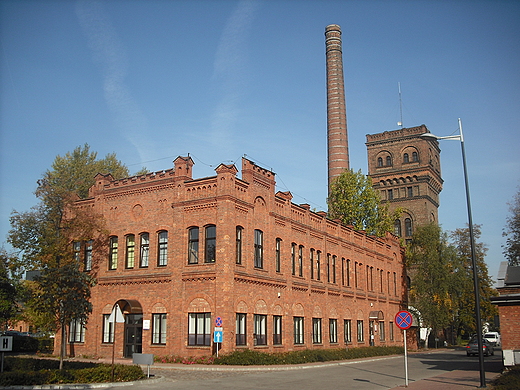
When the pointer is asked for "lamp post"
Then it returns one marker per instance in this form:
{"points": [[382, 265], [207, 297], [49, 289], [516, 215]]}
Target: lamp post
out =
{"points": [[472, 249]]}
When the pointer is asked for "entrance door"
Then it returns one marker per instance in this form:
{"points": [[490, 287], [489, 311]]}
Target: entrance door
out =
{"points": [[133, 334]]}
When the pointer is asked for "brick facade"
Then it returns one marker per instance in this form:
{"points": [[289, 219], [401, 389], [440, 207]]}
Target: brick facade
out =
{"points": [[174, 299], [405, 169]]}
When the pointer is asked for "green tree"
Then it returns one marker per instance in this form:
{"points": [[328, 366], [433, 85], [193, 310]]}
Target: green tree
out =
{"points": [[10, 288], [354, 201], [512, 232], [464, 312], [46, 233], [432, 263]]}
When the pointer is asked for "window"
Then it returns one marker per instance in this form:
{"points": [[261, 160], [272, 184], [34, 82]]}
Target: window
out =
{"points": [[381, 331], [316, 331], [108, 329], [210, 244], [348, 273], [395, 284], [293, 258], [193, 245], [76, 247], [391, 331], [159, 328], [333, 330], [259, 255], [311, 256], [318, 265], [379, 162], [390, 194], [277, 330], [76, 331], [360, 335], [409, 191], [260, 332], [87, 261], [199, 332], [347, 331], [408, 227], [397, 227], [334, 269], [381, 273], [300, 260], [406, 158], [130, 251], [278, 255], [298, 330], [238, 259], [328, 267], [241, 329], [144, 254], [415, 157], [112, 257], [162, 252], [356, 274], [388, 161]]}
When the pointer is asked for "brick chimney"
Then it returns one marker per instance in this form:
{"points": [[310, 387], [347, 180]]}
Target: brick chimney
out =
{"points": [[337, 136]]}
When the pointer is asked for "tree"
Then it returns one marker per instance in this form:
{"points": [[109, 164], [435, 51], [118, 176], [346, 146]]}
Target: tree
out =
{"points": [[354, 201], [465, 309], [46, 233], [432, 263], [512, 232], [10, 288]]}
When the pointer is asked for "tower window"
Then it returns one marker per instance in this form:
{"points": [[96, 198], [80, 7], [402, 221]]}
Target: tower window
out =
{"points": [[408, 227], [388, 161], [406, 158], [379, 162], [415, 157]]}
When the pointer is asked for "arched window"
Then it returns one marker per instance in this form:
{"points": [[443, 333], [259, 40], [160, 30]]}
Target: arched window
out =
{"points": [[406, 158], [408, 227], [193, 245], [130, 251], [144, 250], [240, 229], [397, 227], [415, 157], [379, 162], [388, 161], [259, 249], [162, 248], [210, 243]]}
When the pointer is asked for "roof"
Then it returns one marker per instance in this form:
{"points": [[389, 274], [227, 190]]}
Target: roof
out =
{"points": [[512, 276]]}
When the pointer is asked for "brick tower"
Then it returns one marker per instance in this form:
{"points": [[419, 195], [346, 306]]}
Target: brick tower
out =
{"points": [[337, 137], [405, 169]]}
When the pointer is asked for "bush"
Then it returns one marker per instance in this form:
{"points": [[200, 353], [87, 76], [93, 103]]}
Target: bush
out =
{"points": [[509, 380], [248, 357], [28, 372]]}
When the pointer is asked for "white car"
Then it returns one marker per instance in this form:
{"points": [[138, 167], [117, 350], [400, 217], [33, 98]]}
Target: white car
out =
{"points": [[493, 338]]}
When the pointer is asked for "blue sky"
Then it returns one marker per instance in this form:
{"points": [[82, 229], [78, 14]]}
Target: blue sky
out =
{"points": [[152, 80]]}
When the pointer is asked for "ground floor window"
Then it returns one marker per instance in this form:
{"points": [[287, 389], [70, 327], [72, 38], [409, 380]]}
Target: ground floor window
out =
{"points": [[333, 330], [199, 332], [382, 331], [108, 329], [159, 328], [298, 330], [316, 331], [260, 323], [76, 331], [347, 331], [241, 329], [391, 330], [360, 335], [277, 330]]}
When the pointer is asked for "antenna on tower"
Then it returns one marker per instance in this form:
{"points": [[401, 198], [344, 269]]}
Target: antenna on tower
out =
{"points": [[400, 123]]}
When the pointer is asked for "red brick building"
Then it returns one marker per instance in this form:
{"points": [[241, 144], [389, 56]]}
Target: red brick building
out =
{"points": [[185, 252], [508, 302]]}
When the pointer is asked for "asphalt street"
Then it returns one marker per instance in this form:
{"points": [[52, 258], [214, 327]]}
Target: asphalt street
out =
{"points": [[373, 373]]}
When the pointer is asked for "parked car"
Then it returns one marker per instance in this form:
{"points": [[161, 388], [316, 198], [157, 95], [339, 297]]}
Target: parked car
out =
{"points": [[472, 348], [493, 338]]}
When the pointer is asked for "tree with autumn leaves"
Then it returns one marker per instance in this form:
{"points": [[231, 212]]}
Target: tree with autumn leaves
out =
{"points": [[441, 274], [44, 237]]}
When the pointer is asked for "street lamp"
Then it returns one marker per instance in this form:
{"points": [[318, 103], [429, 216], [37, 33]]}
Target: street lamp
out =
{"points": [[472, 248]]}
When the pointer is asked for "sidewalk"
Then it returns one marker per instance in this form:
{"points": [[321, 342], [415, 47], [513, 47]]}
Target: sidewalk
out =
{"points": [[453, 380]]}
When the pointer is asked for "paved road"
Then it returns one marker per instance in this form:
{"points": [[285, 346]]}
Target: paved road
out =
{"points": [[368, 374]]}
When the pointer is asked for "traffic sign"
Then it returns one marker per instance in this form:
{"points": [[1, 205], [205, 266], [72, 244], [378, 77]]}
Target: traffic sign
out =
{"points": [[217, 336], [218, 321], [403, 319], [6, 343]]}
